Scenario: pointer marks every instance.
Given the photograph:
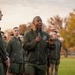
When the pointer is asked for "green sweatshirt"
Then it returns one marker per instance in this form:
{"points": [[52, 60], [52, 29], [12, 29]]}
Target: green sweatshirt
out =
{"points": [[36, 53], [3, 55], [55, 53], [15, 50]]}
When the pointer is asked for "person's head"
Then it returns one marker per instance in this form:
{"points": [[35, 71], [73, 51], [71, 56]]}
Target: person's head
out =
{"points": [[55, 36], [37, 22], [21, 37], [16, 31], [1, 15], [2, 34]]}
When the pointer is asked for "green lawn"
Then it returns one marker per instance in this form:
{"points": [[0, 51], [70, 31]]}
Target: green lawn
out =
{"points": [[67, 66]]}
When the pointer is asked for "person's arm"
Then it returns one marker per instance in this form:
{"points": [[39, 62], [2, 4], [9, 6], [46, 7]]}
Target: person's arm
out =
{"points": [[8, 49], [2, 50], [27, 45], [60, 46], [4, 54]]}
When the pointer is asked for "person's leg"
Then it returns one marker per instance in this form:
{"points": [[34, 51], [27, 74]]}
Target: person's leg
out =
{"points": [[13, 74], [8, 72], [48, 66], [2, 69], [15, 69], [47, 70], [51, 69], [21, 74], [28, 74], [56, 69], [29, 70], [41, 70], [57, 66]]}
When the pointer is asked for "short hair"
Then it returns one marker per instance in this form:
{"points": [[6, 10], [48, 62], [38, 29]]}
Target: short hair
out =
{"points": [[15, 28], [36, 17]]}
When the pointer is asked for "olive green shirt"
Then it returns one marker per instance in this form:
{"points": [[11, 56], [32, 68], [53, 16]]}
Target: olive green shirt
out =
{"points": [[36, 53], [3, 55], [15, 50], [55, 53]]}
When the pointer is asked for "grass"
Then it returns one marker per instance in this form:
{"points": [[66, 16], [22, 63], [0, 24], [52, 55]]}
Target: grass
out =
{"points": [[67, 66]]}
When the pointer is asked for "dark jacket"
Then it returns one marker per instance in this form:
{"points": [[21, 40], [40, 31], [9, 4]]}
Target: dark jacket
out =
{"points": [[55, 50], [35, 52], [3, 55], [15, 50]]}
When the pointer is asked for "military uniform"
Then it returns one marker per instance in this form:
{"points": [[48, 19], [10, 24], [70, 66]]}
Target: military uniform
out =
{"points": [[15, 52], [5, 44], [3, 57], [55, 52], [36, 53]]}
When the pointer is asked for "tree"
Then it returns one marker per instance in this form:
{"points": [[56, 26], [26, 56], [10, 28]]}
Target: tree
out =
{"points": [[69, 30], [8, 32], [56, 23], [22, 28]]}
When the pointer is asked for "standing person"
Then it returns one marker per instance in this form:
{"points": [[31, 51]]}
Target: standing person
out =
{"points": [[15, 52], [4, 60], [4, 39], [55, 54], [35, 44]]}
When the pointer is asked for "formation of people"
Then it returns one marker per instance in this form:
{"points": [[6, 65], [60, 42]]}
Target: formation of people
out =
{"points": [[37, 53]]}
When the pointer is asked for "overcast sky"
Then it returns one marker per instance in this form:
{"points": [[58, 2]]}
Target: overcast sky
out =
{"points": [[16, 12]]}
